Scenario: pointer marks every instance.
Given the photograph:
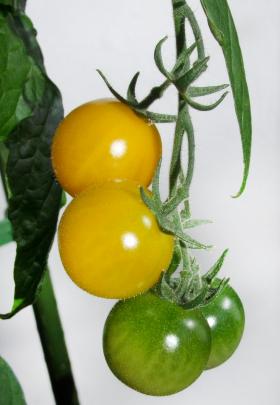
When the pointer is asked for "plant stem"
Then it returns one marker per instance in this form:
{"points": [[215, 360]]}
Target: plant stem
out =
{"points": [[53, 343], [49, 327], [184, 123]]}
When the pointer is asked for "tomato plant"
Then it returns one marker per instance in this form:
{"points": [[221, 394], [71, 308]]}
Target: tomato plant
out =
{"points": [[110, 242], [104, 140], [116, 238], [226, 319], [155, 346]]}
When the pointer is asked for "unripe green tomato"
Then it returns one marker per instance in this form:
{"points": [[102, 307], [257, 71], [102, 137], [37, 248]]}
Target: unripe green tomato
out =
{"points": [[155, 346], [226, 319]]}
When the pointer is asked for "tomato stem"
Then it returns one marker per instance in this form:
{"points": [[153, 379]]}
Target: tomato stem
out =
{"points": [[190, 289], [184, 124], [52, 339]]}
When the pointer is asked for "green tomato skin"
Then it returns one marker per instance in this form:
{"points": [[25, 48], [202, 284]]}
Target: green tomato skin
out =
{"points": [[226, 319], [155, 346]]}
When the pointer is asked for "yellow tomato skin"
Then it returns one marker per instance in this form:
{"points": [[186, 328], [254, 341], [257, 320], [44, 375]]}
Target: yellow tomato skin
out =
{"points": [[101, 141], [110, 242]]}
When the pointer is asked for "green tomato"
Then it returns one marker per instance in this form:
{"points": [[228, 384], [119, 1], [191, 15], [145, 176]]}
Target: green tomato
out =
{"points": [[155, 346], [226, 318]]}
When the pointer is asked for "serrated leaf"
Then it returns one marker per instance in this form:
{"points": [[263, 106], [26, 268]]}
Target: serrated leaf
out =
{"points": [[10, 390], [6, 232], [35, 195], [222, 25]]}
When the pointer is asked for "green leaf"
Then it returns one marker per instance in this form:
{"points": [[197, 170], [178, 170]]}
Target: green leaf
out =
{"points": [[10, 390], [35, 195], [223, 28], [14, 4], [21, 81], [6, 234]]}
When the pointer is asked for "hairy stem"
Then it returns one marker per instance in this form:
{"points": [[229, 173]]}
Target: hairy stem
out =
{"points": [[154, 95], [184, 124]]}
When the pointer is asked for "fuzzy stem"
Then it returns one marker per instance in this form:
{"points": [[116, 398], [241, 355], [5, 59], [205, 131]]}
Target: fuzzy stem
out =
{"points": [[184, 123]]}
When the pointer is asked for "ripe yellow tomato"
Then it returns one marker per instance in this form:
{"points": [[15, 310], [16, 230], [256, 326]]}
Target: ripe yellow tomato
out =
{"points": [[110, 242], [102, 141]]}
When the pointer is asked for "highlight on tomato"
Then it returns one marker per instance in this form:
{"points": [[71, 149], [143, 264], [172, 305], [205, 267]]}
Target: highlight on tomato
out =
{"points": [[104, 140]]}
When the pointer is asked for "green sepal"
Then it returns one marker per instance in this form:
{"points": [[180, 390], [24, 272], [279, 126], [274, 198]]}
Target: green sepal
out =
{"points": [[193, 223], [201, 107], [181, 65], [188, 76], [195, 91], [176, 260], [131, 91], [212, 273], [159, 60], [149, 115]]}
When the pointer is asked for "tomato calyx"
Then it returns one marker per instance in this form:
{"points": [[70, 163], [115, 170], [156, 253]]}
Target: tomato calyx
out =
{"points": [[190, 290], [140, 107]]}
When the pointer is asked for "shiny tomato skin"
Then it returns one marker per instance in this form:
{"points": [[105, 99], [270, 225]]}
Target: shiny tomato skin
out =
{"points": [[226, 318], [110, 242], [104, 140], [155, 346]]}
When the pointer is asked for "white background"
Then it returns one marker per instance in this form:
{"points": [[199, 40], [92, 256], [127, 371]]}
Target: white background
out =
{"points": [[119, 37]]}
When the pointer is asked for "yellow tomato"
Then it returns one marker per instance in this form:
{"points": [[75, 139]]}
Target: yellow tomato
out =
{"points": [[110, 242], [102, 141]]}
